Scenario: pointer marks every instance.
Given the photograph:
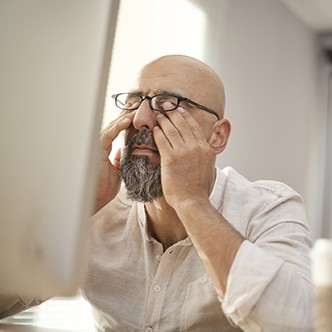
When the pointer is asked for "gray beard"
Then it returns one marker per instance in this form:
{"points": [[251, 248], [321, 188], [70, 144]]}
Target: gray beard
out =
{"points": [[142, 181]]}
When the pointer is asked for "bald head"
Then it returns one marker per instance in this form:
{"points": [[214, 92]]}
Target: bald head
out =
{"points": [[202, 100], [185, 75]]}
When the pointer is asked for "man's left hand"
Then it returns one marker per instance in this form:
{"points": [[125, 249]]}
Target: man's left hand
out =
{"points": [[187, 160]]}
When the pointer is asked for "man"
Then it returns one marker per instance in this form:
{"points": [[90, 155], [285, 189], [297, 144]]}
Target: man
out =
{"points": [[185, 246]]}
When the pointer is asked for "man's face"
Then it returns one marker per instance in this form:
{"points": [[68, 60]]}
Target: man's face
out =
{"points": [[140, 160]]}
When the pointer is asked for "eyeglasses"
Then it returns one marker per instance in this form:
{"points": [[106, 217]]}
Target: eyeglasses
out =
{"points": [[162, 102]]}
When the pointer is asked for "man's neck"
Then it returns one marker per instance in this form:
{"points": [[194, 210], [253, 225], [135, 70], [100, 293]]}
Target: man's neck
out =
{"points": [[164, 224]]}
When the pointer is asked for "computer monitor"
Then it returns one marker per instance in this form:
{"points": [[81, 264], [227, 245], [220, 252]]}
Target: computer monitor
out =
{"points": [[54, 63]]}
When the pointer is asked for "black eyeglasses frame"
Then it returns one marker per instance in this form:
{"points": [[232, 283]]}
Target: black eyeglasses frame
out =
{"points": [[179, 100]]}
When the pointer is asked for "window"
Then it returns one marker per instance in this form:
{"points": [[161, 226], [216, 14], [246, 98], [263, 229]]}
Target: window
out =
{"points": [[148, 29]]}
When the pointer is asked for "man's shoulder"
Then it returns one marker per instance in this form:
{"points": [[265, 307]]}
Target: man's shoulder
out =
{"points": [[116, 211], [262, 203], [122, 198], [120, 202], [234, 181]]}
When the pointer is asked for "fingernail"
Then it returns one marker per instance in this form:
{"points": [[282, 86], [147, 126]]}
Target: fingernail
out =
{"points": [[159, 116], [181, 109]]}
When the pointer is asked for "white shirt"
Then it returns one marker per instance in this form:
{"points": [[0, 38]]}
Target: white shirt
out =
{"points": [[134, 286]]}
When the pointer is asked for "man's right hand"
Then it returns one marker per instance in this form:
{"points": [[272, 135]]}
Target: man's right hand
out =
{"points": [[109, 177]]}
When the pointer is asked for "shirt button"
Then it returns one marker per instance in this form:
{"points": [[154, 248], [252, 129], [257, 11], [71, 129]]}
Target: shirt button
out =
{"points": [[149, 329], [158, 258], [157, 288]]}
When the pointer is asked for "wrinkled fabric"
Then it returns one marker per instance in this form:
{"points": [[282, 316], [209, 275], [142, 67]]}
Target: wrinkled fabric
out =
{"points": [[134, 286]]}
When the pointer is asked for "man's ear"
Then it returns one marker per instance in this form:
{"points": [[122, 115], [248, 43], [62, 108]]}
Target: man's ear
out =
{"points": [[219, 135]]}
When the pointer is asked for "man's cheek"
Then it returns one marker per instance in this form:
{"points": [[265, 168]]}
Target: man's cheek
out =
{"points": [[128, 134]]}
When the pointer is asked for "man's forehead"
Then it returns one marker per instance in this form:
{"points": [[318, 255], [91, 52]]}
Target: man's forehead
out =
{"points": [[166, 79], [169, 69]]}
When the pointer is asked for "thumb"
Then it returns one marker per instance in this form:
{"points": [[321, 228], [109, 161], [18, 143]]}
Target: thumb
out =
{"points": [[116, 159]]}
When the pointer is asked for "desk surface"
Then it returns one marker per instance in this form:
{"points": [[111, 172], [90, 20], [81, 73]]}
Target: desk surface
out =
{"points": [[26, 328]]}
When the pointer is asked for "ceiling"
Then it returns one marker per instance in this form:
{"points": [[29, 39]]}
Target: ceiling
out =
{"points": [[317, 14]]}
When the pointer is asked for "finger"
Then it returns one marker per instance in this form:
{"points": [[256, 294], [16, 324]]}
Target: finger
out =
{"points": [[181, 124], [111, 132], [116, 159], [170, 131], [163, 145], [195, 128], [122, 115]]}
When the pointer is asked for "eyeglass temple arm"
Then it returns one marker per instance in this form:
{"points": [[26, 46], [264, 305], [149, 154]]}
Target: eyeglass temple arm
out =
{"points": [[202, 107]]}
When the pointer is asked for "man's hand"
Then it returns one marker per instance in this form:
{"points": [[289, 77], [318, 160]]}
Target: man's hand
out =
{"points": [[187, 171], [187, 176], [109, 178]]}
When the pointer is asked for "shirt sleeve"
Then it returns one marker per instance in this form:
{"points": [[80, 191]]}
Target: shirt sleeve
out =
{"points": [[269, 286], [12, 304]]}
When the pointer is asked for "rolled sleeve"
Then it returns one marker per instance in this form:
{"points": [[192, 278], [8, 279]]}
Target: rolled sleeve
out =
{"points": [[245, 285], [13, 304], [269, 284], [264, 293]]}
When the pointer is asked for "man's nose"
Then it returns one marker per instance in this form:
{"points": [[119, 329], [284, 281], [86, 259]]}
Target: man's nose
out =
{"points": [[145, 117]]}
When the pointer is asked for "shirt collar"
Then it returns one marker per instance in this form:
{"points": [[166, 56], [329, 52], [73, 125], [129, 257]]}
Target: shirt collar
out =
{"points": [[217, 194]]}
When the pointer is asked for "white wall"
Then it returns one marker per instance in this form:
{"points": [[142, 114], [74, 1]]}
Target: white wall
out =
{"points": [[270, 64]]}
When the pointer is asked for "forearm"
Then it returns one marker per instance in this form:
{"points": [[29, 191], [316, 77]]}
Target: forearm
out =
{"points": [[265, 290], [215, 240], [13, 304]]}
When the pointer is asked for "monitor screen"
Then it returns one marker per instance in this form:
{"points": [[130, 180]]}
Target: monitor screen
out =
{"points": [[54, 64]]}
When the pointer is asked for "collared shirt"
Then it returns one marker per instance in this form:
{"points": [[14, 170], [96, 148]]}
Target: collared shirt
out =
{"points": [[134, 286]]}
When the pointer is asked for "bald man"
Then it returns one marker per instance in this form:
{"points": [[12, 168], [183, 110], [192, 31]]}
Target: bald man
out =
{"points": [[184, 245]]}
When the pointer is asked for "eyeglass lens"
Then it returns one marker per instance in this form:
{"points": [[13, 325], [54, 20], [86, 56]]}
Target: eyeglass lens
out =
{"points": [[161, 102]]}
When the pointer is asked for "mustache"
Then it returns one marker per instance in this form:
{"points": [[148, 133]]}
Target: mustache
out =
{"points": [[141, 137]]}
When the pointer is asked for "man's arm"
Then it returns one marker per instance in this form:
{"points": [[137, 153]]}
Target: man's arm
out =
{"points": [[109, 178], [264, 283], [261, 285], [215, 240], [13, 304], [188, 174]]}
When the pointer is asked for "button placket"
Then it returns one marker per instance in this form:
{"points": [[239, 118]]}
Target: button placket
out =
{"points": [[158, 289]]}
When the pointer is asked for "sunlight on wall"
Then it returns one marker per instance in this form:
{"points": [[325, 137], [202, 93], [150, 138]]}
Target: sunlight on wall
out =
{"points": [[148, 29]]}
